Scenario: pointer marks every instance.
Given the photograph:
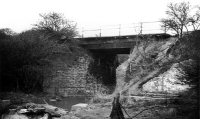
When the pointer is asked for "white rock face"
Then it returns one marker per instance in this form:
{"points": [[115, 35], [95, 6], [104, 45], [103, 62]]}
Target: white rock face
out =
{"points": [[167, 82]]}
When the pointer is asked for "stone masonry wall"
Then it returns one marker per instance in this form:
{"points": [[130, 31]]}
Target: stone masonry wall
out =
{"points": [[67, 76]]}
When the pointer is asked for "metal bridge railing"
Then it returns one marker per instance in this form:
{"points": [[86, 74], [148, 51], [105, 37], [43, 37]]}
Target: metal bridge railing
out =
{"points": [[125, 29]]}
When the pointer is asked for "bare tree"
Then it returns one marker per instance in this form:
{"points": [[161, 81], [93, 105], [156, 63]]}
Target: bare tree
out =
{"points": [[194, 20], [178, 15], [180, 18], [56, 23]]}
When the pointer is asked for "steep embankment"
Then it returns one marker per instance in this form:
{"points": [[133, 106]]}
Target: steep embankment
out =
{"points": [[158, 66]]}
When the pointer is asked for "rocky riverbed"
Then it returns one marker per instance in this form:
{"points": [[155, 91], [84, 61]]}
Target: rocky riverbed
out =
{"points": [[23, 106]]}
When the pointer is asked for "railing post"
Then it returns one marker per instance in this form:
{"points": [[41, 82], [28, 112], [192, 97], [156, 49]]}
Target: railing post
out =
{"points": [[119, 29], [100, 32], [82, 32], [141, 27]]}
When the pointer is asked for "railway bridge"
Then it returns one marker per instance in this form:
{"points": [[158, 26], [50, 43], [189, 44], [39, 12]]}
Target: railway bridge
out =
{"points": [[108, 52]]}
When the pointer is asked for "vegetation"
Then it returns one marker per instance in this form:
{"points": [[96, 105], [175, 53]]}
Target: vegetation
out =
{"points": [[26, 57], [184, 18], [55, 24], [180, 18], [150, 59], [6, 33]]}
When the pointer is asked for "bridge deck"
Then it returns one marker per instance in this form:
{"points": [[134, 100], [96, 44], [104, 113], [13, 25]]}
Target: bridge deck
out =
{"points": [[158, 35], [116, 42]]}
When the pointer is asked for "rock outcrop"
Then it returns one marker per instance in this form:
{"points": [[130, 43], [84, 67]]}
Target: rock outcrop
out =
{"points": [[152, 68], [169, 81]]}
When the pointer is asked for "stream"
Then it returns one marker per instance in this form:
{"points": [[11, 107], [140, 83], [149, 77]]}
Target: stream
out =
{"points": [[68, 102]]}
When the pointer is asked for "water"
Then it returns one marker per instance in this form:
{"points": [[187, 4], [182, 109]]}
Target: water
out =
{"points": [[66, 103]]}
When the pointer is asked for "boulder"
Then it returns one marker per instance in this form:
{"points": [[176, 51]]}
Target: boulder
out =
{"points": [[79, 106]]}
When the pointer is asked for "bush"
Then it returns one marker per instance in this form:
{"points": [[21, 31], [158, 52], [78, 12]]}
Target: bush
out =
{"points": [[25, 60], [56, 25]]}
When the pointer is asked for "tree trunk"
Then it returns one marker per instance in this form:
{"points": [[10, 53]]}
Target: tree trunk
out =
{"points": [[116, 112], [137, 84]]}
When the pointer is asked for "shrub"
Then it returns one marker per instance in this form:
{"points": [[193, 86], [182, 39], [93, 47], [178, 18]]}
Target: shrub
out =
{"points": [[26, 58]]}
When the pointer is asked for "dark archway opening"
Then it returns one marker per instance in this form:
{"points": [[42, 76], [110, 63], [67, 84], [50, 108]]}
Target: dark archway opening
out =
{"points": [[105, 63]]}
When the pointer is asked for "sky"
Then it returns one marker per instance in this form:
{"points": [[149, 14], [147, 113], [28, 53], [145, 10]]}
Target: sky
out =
{"points": [[20, 15]]}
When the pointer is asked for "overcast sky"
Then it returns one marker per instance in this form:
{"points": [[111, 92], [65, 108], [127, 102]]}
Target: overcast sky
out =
{"points": [[19, 15]]}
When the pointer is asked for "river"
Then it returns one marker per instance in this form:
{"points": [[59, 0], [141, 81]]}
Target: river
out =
{"points": [[66, 103]]}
